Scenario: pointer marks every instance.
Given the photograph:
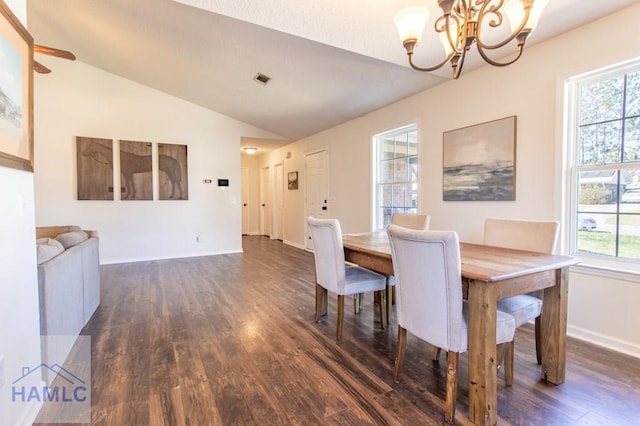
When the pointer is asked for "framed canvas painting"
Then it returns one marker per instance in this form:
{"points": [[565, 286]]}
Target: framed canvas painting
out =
{"points": [[94, 168], [136, 171], [16, 93], [479, 162], [172, 172]]}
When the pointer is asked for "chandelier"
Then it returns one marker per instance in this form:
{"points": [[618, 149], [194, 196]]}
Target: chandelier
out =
{"points": [[462, 25]]}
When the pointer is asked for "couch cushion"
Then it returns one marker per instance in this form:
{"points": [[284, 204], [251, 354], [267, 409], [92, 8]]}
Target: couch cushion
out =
{"points": [[70, 239], [52, 231], [48, 248]]}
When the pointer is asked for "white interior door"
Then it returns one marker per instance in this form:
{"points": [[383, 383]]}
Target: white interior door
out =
{"points": [[278, 202], [265, 201], [316, 188], [244, 195]]}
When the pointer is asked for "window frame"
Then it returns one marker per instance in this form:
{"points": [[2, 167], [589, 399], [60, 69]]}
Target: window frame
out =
{"points": [[377, 217], [629, 267]]}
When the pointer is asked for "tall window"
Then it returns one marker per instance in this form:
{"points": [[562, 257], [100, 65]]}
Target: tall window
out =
{"points": [[396, 174], [605, 157]]}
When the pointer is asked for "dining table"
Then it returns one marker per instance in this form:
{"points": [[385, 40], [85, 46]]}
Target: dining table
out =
{"points": [[488, 275]]}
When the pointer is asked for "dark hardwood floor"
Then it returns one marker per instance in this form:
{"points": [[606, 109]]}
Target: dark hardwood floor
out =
{"points": [[231, 340]]}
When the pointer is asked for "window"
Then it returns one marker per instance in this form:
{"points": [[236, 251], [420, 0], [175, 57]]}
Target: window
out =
{"points": [[396, 174], [605, 164]]}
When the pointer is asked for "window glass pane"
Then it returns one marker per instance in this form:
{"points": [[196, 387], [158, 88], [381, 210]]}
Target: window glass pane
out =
{"points": [[401, 169], [601, 144], [598, 191], [387, 149], [398, 195], [597, 234], [632, 140], [630, 190], [386, 171], [402, 148], [633, 94], [386, 195], [630, 235], [601, 101]]}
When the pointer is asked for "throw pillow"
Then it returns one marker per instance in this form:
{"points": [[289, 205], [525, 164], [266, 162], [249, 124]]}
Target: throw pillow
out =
{"points": [[70, 239], [47, 249]]}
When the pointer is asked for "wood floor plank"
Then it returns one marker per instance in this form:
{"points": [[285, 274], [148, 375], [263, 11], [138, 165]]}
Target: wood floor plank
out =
{"points": [[231, 340]]}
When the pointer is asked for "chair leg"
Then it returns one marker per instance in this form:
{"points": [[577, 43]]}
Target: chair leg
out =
{"points": [[538, 342], [340, 317], [452, 382], [508, 363], [357, 303], [436, 354], [383, 309], [321, 302], [401, 345], [389, 300]]}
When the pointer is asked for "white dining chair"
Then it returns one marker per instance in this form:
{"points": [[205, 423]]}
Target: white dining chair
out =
{"points": [[430, 304], [530, 235], [333, 275], [410, 221]]}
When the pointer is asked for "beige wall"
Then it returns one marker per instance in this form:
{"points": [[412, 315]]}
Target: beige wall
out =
{"points": [[79, 100], [531, 89]]}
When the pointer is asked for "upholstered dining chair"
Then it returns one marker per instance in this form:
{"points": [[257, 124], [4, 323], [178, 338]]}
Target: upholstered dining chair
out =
{"points": [[529, 235], [430, 304], [411, 221], [333, 275]]}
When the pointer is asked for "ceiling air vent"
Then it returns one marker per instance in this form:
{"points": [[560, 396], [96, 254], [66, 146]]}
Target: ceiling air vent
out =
{"points": [[261, 78]]}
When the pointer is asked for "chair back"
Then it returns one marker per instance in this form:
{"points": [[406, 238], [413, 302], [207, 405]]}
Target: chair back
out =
{"points": [[411, 221], [328, 252], [429, 288], [531, 235]]}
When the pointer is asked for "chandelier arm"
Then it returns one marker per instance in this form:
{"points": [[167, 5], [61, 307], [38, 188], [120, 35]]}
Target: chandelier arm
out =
{"points": [[501, 64], [427, 69], [513, 35]]}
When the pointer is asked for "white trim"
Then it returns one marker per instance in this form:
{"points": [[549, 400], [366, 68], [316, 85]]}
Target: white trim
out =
{"points": [[294, 244], [607, 272], [149, 259], [605, 341]]}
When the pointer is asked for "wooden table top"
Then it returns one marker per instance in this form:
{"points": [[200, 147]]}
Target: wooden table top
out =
{"points": [[479, 262]]}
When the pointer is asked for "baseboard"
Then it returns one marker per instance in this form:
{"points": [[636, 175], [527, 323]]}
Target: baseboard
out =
{"points": [[605, 341], [147, 259], [296, 245]]}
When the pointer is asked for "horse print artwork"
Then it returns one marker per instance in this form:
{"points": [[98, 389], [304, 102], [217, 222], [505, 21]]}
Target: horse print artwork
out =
{"points": [[136, 171], [94, 158], [172, 172]]}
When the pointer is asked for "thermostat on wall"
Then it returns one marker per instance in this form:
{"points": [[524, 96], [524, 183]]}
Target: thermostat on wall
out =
{"points": [[223, 182]]}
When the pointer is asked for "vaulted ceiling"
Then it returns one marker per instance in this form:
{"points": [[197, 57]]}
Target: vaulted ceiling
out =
{"points": [[329, 61]]}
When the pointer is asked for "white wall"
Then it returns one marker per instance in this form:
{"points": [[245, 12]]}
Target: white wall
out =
{"points": [[79, 100], [19, 306], [531, 89]]}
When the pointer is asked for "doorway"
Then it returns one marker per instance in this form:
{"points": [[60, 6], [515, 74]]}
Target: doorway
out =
{"points": [[316, 188]]}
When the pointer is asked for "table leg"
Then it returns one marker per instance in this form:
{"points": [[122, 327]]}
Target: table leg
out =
{"points": [[483, 386], [553, 325]]}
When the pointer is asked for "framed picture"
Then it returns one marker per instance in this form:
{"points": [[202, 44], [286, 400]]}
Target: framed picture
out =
{"points": [[172, 172], [479, 162], [94, 168], [136, 171], [292, 180], [16, 93]]}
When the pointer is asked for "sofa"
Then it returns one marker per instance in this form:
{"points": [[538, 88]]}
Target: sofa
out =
{"points": [[68, 285]]}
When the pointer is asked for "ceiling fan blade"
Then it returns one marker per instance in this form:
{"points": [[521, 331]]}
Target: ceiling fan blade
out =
{"points": [[54, 52], [38, 67]]}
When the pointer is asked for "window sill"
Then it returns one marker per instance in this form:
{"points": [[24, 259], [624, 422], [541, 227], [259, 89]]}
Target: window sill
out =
{"points": [[607, 272]]}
